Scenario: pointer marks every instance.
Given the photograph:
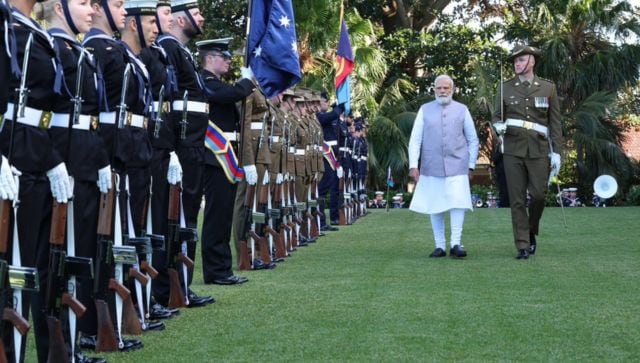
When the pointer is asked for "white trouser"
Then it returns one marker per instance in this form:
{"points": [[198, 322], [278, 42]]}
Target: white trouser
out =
{"points": [[437, 224]]}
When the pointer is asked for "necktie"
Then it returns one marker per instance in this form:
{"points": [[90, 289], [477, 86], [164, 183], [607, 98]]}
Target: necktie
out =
{"points": [[526, 84]]}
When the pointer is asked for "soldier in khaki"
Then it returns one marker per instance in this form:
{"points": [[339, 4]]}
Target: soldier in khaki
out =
{"points": [[527, 117], [303, 164], [254, 158]]}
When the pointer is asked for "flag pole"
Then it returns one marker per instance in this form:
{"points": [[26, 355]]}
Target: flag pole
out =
{"points": [[387, 196], [246, 64]]}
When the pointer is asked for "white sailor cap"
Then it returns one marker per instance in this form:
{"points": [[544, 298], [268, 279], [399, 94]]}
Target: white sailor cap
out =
{"points": [[179, 5], [379, 193], [141, 7]]}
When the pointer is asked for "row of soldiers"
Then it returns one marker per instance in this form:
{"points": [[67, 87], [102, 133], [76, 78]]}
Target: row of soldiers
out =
{"points": [[114, 134]]}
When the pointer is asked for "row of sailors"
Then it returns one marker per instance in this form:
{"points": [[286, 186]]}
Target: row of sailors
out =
{"points": [[140, 112]]}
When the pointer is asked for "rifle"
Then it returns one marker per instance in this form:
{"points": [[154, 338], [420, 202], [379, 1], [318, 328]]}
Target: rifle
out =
{"points": [[104, 265], [27, 282], [260, 218], [276, 217], [244, 261], [145, 252], [312, 209], [342, 212], [175, 256], [61, 267]]}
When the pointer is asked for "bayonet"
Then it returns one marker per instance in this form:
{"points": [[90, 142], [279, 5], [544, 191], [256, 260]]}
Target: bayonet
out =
{"points": [[184, 123], [77, 99], [159, 113], [122, 107]]}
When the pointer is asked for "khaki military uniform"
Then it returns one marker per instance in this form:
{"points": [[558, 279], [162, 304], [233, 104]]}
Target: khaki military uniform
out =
{"points": [[534, 105], [254, 151]]}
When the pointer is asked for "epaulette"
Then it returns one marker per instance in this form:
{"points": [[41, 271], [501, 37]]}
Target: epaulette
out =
{"points": [[546, 80]]}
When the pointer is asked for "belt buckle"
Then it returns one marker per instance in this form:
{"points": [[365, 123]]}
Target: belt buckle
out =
{"points": [[95, 121], [527, 125], [45, 120], [206, 108], [129, 118], [165, 106], [145, 122]]}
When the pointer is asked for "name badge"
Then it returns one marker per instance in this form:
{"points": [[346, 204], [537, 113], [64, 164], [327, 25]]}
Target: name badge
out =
{"points": [[542, 102]]}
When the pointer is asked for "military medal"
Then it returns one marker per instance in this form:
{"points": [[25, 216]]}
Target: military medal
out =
{"points": [[542, 102]]}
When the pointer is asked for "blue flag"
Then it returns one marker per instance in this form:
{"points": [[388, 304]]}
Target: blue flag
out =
{"points": [[273, 46]]}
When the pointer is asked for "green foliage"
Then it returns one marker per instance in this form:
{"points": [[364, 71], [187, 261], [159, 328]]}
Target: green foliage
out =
{"points": [[633, 196]]}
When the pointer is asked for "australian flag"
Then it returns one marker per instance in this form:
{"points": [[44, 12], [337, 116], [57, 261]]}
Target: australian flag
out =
{"points": [[344, 66], [273, 46]]}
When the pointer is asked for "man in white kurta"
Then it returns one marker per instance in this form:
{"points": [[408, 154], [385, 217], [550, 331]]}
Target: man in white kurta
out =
{"points": [[442, 155]]}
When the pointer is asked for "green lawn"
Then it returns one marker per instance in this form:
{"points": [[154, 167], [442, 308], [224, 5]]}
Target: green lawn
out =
{"points": [[370, 293]]}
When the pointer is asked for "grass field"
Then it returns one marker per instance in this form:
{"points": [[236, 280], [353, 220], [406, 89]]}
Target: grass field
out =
{"points": [[370, 293]]}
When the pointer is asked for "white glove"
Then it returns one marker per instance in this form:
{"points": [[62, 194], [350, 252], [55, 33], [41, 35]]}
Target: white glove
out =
{"points": [[104, 179], [8, 187], [174, 173], [279, 178], [500, 128], [251, 174], [60, 183], [340, 172], [246, 72], [554, 160]]}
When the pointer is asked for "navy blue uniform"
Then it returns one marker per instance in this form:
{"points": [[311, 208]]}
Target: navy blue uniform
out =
{"points": [[219, 192], [329, 182], [33, 154]]}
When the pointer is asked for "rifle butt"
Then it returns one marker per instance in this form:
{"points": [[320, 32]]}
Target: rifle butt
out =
{"points": [[58, 223], [281, 248], [265, 254], [342, 217], [106, 340], [244, 262], [57, 348], [176, 296], [130, 320], [3, 353]]}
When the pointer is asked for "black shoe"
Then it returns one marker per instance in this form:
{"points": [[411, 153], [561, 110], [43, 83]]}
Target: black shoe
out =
{"points": [[196, 301], [131, 344], [335, 223], [89, 342], [328, 228], [457, 251], [523, 254], [158, 311], [82, 358], [229, 280], [260, 265], [438, 252], [153, 325], [533, 244]]}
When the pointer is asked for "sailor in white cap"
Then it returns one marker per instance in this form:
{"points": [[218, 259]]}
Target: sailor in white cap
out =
{"points": [[190, 116]]}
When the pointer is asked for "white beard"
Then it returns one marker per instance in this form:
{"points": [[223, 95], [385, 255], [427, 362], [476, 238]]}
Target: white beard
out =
{"points": [[444, 100]]}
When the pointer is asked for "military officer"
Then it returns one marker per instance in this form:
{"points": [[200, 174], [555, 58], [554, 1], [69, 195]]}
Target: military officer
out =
{"points": [[190, 126], [527, 116], [219, 186], [255, 159]]}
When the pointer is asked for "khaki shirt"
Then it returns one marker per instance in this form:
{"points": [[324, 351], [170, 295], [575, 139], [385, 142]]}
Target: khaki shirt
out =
{"points": [[256, 114], [537, 103]]}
